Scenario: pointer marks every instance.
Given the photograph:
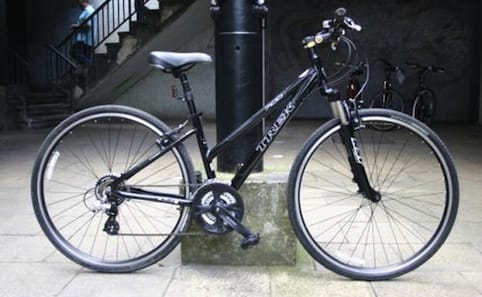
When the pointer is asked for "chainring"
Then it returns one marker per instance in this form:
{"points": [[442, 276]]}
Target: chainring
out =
{"points": [[205, 200]]}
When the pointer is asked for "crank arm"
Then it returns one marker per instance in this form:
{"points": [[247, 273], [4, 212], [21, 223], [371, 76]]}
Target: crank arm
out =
{"points": [[250, 239]]}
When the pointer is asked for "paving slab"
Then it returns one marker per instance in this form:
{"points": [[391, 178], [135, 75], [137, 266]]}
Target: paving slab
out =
{"points": [[434, 284], [24, 248], [34, 279], [30, 265], [291, 282], [150, 282], [219, 281]]}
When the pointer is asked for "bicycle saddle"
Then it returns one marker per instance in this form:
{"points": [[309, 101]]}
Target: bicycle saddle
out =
{"points": [[388, 66], [168, 61]]}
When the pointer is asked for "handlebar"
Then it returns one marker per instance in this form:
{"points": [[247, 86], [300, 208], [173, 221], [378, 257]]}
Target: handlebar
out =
{"points": [[332, 30], [421, 68], [389, 67], [355, 69]]}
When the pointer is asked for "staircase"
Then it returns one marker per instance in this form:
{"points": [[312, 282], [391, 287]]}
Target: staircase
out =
{"points": [[118, 35], [39, 110], [25, 108]]}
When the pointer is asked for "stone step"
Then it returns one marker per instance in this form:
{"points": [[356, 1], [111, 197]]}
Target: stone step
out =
{"points": [[43, 121], [41, 109]]}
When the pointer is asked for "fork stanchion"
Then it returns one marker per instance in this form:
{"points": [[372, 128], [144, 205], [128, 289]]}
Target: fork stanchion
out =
{"points": [[239, 75]]}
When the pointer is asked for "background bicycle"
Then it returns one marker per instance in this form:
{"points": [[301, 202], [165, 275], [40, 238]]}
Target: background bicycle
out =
{"points": [[424, 102], [389, 97]]}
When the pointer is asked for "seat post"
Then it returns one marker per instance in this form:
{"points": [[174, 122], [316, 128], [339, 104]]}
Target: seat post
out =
{"points": [[186, 88]]}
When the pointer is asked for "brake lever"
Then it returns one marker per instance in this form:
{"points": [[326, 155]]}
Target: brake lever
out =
{"points": [[351, 24]]}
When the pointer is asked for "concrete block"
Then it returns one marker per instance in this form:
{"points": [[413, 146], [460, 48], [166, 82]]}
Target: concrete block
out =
{"points": [[266, 213]]}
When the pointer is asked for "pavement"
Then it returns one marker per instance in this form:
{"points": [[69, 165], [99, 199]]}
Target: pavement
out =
{"points": [[30, 266]]}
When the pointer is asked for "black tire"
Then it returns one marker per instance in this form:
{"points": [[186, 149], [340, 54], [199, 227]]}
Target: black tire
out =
{"points": [[424, 105], [390, 99], [412, 170], [85, 151]]}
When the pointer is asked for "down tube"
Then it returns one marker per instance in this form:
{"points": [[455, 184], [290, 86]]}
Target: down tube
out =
{"points": [[268, 109], [283, 118]]}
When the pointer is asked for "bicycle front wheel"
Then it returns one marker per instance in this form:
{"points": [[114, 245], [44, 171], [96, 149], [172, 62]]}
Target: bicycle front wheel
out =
{"points": [[70, 182], [424, 106], [413, 172]]}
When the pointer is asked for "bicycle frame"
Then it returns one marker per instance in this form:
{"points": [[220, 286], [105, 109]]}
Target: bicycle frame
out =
{"points": [[293, 97], [387, 85]]}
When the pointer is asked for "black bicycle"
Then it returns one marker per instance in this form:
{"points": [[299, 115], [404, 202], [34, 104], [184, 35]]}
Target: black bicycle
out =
{"points": [[424, 100], [114, 188], [389, 97]]}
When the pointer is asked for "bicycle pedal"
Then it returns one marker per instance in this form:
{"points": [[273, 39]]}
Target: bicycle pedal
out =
{"points": [[250, 241]]}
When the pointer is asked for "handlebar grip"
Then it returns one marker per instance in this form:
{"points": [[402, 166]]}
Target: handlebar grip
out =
{"points": [[319, 38]]}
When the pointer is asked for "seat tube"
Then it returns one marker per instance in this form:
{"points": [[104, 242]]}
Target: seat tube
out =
{"points": [[197, 124]]}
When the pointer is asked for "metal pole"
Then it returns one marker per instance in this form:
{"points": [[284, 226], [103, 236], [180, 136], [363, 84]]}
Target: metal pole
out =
{"points": [[239, 60]]}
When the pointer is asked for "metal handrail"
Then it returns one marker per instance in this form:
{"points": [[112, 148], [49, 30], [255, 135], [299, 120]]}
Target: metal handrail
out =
{"points": [[18, 68], [69, 61], [105, 21], [101, 11], [62, 56], [18, 57]]}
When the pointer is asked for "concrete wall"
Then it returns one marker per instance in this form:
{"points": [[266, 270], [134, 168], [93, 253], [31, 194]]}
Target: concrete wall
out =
{"points": [[3, 43], [424, 31], [444, 32], [153, 92], [480, 74]]}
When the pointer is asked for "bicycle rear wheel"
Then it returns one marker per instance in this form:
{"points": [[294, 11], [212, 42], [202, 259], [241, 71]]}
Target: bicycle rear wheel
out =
{"points": [[71, 176], [412, 170], [424, 106]]}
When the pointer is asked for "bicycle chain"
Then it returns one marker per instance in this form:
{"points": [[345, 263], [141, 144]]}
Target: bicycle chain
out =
{"points": [[192, 186], [164, 234]]}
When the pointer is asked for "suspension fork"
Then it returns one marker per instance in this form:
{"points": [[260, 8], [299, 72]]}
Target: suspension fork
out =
{"points": [[348, 123]]}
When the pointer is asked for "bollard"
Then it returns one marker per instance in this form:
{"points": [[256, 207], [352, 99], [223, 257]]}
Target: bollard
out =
{"points": [[239, 75]]}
